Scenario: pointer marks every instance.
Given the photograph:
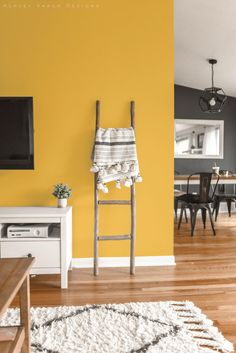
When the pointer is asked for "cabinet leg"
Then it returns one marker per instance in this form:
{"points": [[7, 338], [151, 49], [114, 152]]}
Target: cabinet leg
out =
{"points": [[64, 280]]}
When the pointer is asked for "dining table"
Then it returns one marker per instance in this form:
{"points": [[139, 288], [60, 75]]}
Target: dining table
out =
{"points": [[183, 179]]}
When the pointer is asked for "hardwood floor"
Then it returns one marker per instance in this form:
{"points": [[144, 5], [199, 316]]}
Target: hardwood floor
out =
{"points": [[205, 274], [209, 270]]}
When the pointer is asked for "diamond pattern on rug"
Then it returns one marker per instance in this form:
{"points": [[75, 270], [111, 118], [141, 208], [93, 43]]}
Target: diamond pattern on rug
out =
{"points": [[166, 327]]}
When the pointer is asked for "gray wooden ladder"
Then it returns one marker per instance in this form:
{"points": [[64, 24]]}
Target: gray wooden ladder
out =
{"points": [[131, 203]]}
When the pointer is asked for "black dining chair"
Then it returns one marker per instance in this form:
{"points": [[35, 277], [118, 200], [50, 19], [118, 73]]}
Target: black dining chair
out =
{"points": [[201, 200], [177, 202], [222, 196]]}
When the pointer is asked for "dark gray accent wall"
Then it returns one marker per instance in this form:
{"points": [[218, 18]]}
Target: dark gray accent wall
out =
{"points": [[186, 107]]}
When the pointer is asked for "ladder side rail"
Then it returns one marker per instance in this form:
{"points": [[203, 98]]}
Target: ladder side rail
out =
{"points": [[96, 201], [133, 204]]}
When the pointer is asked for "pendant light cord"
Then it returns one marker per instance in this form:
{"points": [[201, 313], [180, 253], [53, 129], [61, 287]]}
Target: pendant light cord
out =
{"points": [[212, 75]]}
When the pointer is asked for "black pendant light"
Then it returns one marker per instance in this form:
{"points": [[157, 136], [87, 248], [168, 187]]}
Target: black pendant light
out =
{"points": [[213, 98]]}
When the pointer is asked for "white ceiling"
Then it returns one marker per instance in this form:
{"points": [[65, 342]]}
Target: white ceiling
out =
{"points": [[205, 29]]}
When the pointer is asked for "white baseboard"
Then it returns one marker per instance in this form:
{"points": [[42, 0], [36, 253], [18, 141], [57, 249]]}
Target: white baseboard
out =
{"points": [[124, 261]]}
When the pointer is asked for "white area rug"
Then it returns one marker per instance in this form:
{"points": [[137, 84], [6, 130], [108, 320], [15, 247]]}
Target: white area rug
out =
{"points": [[166, 327]]}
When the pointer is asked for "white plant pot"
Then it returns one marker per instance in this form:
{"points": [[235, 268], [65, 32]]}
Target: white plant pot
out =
{"points": [[61, 203]]}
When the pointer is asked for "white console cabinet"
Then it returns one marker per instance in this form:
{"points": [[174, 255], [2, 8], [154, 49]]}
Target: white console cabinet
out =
{"points": [[54, 253]]}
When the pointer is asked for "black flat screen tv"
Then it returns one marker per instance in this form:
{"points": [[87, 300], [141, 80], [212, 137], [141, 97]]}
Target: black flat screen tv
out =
{"points": [[16, 133]]}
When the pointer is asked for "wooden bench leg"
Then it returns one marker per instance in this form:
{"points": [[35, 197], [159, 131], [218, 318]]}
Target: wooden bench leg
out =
{"points": [[24, 294]]}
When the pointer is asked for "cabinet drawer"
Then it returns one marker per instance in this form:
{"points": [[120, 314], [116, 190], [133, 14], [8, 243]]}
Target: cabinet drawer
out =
{"points": [[46, 253]]}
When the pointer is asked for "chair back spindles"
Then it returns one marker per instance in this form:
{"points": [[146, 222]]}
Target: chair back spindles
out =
{"points": [[204, 186], [205, 182]]}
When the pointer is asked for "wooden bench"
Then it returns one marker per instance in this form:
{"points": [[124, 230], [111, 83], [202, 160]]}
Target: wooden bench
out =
{"points": [[14, 278]]}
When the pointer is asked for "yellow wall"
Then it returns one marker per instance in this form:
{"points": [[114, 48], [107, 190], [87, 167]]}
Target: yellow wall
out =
{"points": [[66, 58]]}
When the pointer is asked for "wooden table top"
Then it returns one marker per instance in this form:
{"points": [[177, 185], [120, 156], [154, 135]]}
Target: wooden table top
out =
{"points": [[13, 272], [195, 177]]}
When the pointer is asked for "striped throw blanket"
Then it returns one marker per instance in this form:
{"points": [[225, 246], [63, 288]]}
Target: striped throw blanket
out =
{"points": [[115, 157]]}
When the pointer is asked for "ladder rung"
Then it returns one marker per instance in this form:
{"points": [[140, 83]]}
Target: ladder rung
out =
{"points": [[114, 237], [114, 202]]}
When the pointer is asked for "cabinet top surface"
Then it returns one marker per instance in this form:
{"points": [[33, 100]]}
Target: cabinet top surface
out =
{"points": [[34, 211]]}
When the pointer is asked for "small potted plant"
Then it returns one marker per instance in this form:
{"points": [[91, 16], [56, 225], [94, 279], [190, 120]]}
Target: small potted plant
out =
{"points": [[62, 192]]}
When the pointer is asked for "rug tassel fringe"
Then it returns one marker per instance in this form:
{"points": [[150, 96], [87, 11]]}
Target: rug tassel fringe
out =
{"points": [[208, 337]]}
